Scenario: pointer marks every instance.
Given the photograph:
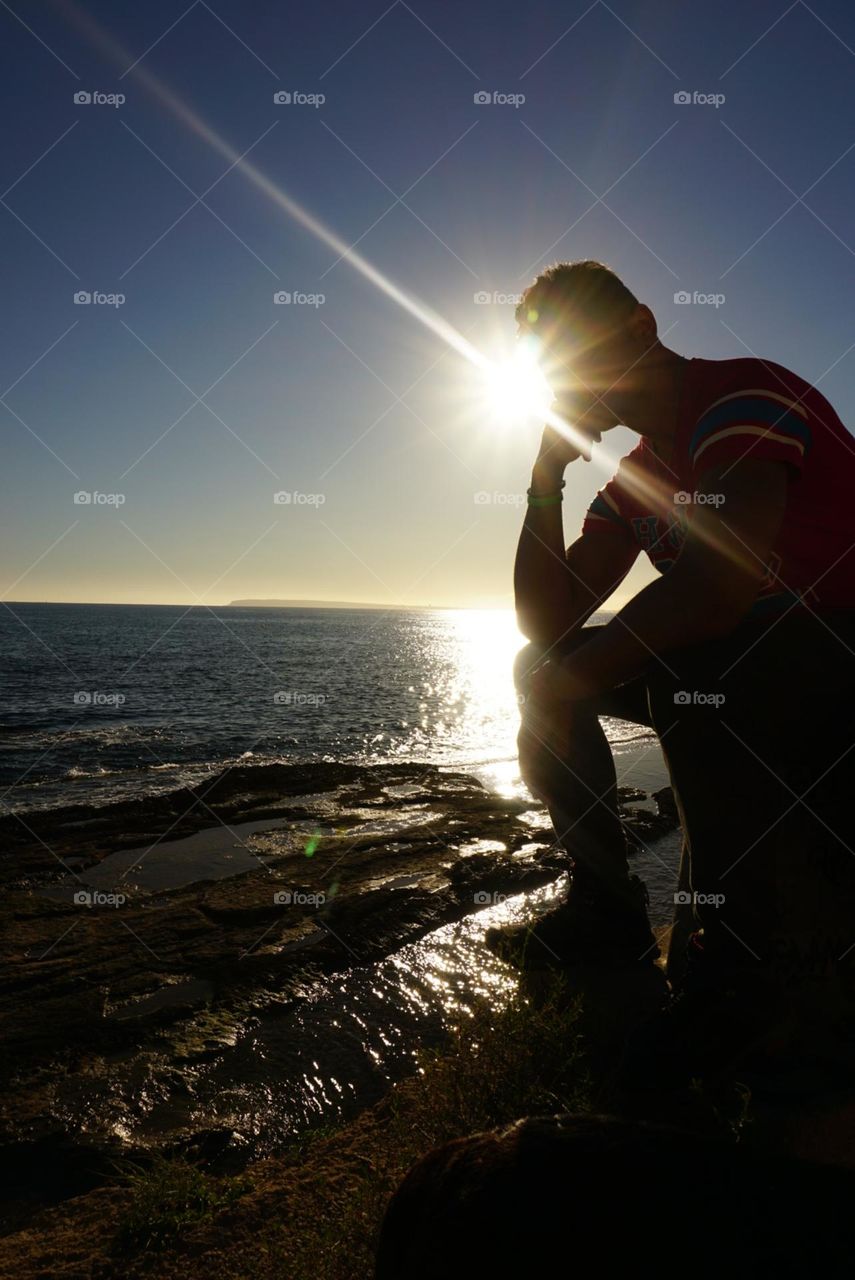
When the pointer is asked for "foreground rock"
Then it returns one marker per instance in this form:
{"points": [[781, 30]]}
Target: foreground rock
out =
{"points": [[533, 1198]]}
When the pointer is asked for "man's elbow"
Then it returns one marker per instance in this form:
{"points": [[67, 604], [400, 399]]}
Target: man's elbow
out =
{"points": [[534, 628], [548, 627]]}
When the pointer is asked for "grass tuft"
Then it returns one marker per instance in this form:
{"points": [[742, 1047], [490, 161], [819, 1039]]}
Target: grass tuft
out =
{"points": [[168, 1196]]}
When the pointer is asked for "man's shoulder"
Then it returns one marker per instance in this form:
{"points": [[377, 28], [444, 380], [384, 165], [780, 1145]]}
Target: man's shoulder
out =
{"points": [[718, 380], [749, 406]]}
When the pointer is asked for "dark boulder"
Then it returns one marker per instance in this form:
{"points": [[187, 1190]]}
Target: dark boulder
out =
{"points": [[559, 1195]]}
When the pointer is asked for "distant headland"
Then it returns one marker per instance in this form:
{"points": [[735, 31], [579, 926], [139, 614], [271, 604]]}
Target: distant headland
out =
{"points": [[327, 604]]}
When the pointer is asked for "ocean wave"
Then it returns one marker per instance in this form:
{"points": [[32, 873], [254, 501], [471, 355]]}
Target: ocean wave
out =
{"points": [[11, 730], [47, 736]]}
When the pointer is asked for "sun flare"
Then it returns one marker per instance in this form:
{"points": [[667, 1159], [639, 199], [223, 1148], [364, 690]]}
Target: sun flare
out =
{"points": [[516, 387]]}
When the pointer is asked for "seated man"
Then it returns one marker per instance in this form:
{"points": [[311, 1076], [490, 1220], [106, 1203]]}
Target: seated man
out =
{"points": [[741, 654]]}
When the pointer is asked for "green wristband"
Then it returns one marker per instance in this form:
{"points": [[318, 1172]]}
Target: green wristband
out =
{"points": [[546, 500]]}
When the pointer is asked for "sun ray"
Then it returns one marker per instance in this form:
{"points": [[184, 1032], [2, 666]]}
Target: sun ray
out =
{"points": [[494, 372]]}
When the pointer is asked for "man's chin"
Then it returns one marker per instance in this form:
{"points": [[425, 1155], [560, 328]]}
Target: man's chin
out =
{"points": [[586, 444], [597, 427]]}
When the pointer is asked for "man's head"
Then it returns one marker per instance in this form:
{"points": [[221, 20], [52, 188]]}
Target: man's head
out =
{"points": [[596, 338]]}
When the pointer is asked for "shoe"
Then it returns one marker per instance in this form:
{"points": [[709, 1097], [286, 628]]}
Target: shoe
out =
{"points": [[714, 1025], [588, 928]]}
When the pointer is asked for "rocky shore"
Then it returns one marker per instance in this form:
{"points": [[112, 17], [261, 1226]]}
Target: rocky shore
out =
{"points": [[145, 937], [173, 963]]}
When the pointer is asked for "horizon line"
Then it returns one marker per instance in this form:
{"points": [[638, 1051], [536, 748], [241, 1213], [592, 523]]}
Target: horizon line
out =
{"points": [[257, 604]]}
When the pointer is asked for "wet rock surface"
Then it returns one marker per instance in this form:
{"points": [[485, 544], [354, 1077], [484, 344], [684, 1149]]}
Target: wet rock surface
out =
{"points": [[319, 870]]}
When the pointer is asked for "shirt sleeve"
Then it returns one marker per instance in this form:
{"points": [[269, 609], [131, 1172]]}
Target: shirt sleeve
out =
{"points": [[605, 515], [766, 424]]}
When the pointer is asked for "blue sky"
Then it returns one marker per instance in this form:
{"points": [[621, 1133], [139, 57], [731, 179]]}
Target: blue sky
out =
{"points": [[380, 429]]}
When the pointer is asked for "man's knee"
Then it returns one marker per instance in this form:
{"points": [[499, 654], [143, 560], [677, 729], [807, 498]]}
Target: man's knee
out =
{"points": [[529, 656]]}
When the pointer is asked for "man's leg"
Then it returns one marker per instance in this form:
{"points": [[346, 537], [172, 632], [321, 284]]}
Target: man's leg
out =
{"points": [[606, 906], [579, 788], [755, 733], [754, 729]]}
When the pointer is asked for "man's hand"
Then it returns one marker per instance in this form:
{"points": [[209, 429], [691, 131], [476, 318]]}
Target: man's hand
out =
{"points": [[556, 452]]}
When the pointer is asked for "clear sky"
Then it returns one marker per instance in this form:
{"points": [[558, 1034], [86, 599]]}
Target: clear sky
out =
{"points": [[198, 397]]}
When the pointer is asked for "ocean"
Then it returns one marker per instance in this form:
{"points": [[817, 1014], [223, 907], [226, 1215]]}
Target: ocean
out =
{"points": [[108, 702]]}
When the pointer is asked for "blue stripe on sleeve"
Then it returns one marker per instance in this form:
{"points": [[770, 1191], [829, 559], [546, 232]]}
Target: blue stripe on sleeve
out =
{"points": [[754, 411]]}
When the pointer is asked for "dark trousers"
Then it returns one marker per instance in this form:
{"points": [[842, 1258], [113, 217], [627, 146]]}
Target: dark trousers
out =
{"points": [[757, 734]]}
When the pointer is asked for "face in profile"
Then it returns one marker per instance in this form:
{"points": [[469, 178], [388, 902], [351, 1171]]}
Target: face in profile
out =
{"points": [[596, 382]]}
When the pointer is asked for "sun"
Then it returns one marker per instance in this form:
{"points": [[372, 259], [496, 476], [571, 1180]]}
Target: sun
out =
{"points": [[516, 388]]}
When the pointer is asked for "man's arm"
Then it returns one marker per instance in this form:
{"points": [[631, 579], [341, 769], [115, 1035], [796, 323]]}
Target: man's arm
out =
{"points": [[706, 592], [557, 590]]}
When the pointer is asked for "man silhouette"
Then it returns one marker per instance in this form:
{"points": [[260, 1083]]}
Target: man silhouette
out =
{"points": [[741, 654]]}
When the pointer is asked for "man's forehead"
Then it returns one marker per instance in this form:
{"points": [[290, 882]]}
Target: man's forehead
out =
{"points": [[576, 359], [573, 340]]}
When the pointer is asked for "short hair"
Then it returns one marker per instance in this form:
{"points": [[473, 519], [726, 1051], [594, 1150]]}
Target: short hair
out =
{"points": [[582, 299]]}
